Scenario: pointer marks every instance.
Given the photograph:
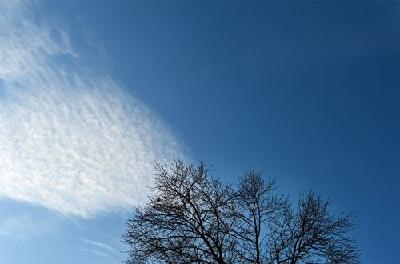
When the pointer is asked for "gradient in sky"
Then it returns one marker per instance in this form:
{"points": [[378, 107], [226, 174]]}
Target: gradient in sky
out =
{"points": [[91, 93]]}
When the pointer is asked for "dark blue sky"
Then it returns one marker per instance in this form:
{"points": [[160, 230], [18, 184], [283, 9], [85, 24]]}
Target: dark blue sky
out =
{"points": [[306, 92]]}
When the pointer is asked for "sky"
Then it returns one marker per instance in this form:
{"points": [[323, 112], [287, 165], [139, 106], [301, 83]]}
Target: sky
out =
{"points": [[93, 92]]}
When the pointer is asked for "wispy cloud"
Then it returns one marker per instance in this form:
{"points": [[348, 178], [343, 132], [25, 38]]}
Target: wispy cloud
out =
{"points": [[100, 245], [95, 252], [22, 226], [71, 141], [100, 249]]}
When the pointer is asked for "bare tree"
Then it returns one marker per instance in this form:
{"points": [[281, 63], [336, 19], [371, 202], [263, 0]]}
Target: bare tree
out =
{"points": [[187, 220], [311, 234], [194, 218], [256, 204]]}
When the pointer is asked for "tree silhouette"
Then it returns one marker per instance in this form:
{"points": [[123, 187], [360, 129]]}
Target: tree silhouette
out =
{"points": [[192, 217]]}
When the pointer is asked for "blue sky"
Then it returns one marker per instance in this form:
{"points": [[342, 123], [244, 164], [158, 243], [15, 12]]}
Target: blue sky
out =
{"points": [[306, 92]]}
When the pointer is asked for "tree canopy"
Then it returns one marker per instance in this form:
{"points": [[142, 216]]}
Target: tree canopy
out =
{"points": [[192, 217]]}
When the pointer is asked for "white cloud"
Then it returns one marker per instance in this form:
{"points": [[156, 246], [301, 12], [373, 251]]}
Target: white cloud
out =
{"points": [[69, 141]]}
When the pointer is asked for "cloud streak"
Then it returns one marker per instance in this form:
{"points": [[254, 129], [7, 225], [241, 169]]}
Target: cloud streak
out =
{"points": [[101, 250], [100, 245], [70, 140]]}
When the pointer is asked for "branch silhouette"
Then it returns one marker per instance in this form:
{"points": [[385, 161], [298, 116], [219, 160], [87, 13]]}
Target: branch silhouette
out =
{"points": [[192, 217]]}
